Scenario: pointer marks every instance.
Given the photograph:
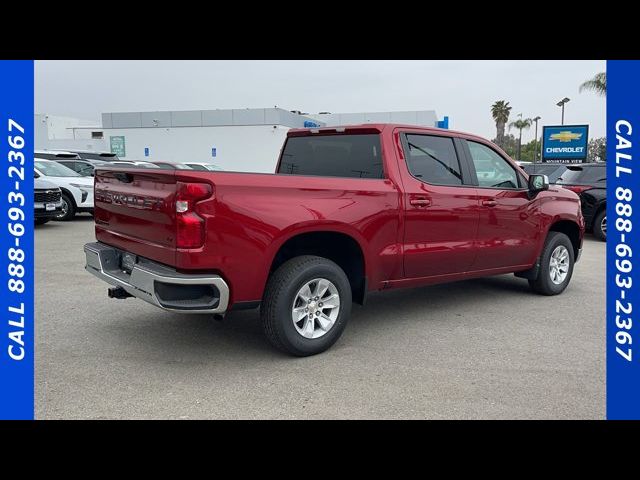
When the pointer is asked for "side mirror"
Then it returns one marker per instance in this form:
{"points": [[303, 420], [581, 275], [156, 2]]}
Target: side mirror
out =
{"points": [[35, 175], [538, 183]]}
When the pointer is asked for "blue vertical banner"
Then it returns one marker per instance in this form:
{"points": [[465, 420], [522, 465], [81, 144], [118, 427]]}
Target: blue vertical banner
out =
{"points": [[16, 240], [623, 247]]}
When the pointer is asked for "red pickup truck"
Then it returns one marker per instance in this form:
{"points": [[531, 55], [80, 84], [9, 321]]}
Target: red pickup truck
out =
{"points": [[349, 210]]}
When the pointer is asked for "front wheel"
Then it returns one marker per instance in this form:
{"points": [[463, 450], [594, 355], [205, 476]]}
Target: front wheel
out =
{"points": [[556, 265], [600, 226], [68, 209], [306, 305]]}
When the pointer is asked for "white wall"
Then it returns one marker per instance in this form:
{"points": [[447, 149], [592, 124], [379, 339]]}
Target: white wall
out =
{"points": [[96, 145], [53, 132], [427, 118], [250, 148]]}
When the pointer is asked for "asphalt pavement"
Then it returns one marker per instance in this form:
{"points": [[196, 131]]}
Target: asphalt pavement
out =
{"points": [[487, 348]]}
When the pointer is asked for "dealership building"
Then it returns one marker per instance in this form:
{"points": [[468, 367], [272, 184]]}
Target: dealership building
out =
{"points": [[234, 139]]}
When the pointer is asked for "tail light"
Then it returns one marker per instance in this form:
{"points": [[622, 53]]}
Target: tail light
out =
{"points": [[577, 188], [190, 231]]}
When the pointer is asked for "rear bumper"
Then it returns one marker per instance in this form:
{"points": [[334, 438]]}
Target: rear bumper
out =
{"points": [[158, 284]]}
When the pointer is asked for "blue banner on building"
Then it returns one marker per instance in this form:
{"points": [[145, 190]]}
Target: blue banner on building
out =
{"points": [[16, 240], [565, 144], [623, 247]]}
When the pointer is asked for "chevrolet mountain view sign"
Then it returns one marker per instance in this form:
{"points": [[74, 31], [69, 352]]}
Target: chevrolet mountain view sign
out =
{"points": [[565, 144]]}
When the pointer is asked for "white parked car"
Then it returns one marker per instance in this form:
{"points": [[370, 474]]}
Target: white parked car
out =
{"points": [[77, 191], [131, 163], [203, 166]]}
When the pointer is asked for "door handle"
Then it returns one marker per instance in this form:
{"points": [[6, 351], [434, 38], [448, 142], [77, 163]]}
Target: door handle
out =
{"points": [[489, 203], [420, 202]]}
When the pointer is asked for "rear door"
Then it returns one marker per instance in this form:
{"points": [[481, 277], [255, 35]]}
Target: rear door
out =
{"points": [[134, 211], [441, 208], [508, 228]]}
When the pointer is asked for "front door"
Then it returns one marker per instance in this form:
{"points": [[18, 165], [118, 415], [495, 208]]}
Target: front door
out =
{"points": [[508, 230], [441, 207]]}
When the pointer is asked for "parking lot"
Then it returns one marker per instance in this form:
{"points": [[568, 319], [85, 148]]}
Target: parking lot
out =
{"points": [[484, 348]]}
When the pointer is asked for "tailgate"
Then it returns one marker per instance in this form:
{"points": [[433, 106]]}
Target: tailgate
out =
{"points": [[134, 211]]}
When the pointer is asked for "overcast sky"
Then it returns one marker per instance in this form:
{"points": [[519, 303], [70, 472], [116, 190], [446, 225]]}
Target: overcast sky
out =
{"points": [[463, 90]]}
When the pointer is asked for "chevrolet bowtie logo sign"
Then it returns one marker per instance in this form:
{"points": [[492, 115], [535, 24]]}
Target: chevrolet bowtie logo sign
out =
{"points": [[565, 136]]}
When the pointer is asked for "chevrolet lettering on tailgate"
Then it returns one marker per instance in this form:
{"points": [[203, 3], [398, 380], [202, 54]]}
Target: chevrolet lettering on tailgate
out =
{"points": [[135, 201]]}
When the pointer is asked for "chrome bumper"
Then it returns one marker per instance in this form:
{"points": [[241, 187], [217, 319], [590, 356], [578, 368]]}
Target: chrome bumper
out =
{"points": [[147, 280]]}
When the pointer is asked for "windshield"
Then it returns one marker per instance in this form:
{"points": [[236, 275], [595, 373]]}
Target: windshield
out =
{"points": [[53, 169]]}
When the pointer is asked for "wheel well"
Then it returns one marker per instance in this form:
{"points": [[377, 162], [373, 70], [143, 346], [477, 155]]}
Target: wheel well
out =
{"points": [[70, 195], [337, 247], [571, 230]]}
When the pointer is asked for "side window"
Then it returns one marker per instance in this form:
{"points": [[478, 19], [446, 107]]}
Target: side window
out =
{"points": [[433, 159], [491, 169], [84, 169]]}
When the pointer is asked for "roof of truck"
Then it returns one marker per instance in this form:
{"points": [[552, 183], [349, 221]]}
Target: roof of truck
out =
{"points": [[378, 127]]}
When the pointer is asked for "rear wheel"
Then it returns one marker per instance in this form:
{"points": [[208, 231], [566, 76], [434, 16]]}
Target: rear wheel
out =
{"points": [[600, 225], [68, 209], [556, 265], [306, 305]]}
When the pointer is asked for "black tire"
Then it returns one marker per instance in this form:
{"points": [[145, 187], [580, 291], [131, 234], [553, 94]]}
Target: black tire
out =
{"points": [[598, 225], [278, 301], [70, 209], [42, 221], [542, 283]]}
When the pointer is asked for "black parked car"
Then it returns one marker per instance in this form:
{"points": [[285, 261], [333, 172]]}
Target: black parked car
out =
{"points": [[551, 170], [589, 180], [93, 155]]}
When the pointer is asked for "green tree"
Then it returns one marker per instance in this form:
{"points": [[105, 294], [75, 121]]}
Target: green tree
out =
{"points": [[597, 150], [520, 124], [598, 84], [528, 150], [500, 111]]}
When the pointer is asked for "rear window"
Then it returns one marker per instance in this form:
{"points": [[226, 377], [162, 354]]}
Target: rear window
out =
{"points": [[583, 175], [98, 156], [55, 156], [349, 156], [552, 171]]}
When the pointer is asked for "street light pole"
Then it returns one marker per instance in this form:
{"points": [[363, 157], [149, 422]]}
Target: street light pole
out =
{"points": [[561, 103], [535, 141]]}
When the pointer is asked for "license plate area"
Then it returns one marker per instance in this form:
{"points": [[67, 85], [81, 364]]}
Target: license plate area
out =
{"points": [[128, 261], [50, 207]]}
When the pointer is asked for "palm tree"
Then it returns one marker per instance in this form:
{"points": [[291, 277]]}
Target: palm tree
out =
{"points": [[597, 84], [500, 111], [520, 124]]}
